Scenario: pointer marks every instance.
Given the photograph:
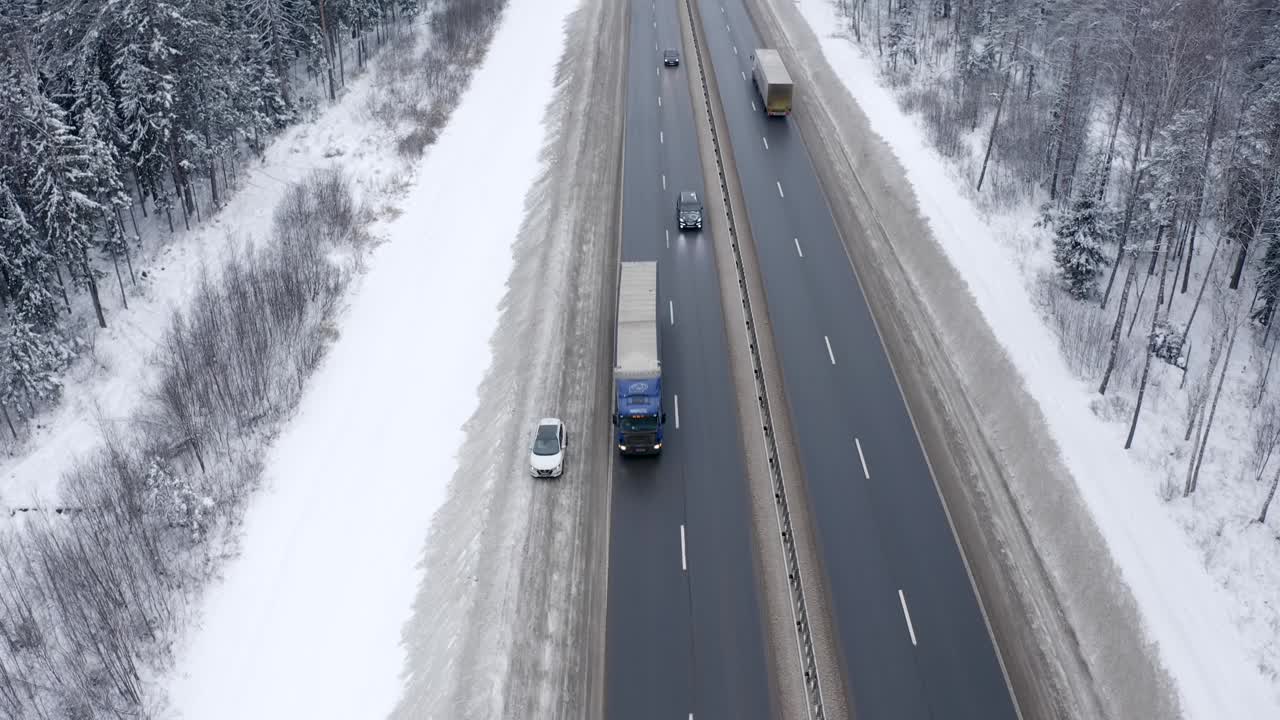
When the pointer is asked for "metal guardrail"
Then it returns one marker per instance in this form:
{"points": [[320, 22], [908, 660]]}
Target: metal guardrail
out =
{"points": [[799, 611]]}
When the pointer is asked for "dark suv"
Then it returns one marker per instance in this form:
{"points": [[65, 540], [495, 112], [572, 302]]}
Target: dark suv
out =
{"points": [[689, 211], [671, 57]]}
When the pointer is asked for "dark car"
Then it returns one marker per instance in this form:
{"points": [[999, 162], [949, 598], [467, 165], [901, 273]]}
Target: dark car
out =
{"points": [[671, 57], [689, 211]]}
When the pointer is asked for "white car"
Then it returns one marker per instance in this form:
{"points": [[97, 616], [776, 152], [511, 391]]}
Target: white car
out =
{"points": [[546, 459]]}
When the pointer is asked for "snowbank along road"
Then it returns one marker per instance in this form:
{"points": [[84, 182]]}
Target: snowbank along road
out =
{"points": [[311, 618]]}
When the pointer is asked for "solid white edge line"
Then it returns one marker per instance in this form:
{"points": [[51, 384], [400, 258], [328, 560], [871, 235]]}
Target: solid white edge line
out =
{"points": [[765, 140], [907, 614], [798, 250], [830, 354], [677, 398], [780, 193], [862, 459], [672, 307], [684, 562]]}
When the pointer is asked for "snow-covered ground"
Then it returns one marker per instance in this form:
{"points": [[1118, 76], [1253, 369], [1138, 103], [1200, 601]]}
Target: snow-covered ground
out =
{"points": [[1207, 605], [307, 620], [102, 387]]}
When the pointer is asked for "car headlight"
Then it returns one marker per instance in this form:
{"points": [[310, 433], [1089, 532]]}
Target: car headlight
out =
{"points": [[622, 447], [657, 446]]}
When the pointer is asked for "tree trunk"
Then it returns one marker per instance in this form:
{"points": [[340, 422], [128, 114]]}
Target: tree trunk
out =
{"points": [[328, 51], [1264, 212], [1208, 271], [62, 286], [1211, 134], [8, 421], [1213, 407], [1065, 121], [93, 291], [991, 139], [1146, 280], [142, 199], [1146, 365], [1262, 385], [1136, 174], [1271, 494], [1115, 329], [1115, 126], [1164, 273], [1198, 422], [115, 260]]}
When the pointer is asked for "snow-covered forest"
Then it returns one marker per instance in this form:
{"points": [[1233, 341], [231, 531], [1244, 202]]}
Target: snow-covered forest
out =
{"points": [[111, 111], [1129, 154], [124, 124]]}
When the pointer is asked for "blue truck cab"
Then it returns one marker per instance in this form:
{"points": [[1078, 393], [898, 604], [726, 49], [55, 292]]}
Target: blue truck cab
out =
{"points": [[637, 369], [639, 416]]}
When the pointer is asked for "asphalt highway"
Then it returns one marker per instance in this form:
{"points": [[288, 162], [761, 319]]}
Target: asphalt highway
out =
{"points": [[684, 635], [913, 640]]}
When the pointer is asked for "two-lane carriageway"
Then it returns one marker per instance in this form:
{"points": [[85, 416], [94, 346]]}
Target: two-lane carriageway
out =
{"points": [[913, 639], [685, 630]]}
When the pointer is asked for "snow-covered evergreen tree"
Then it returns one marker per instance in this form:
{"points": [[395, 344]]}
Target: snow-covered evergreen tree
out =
{"points": [[33, 363], [1078, 240], [901, 38]]}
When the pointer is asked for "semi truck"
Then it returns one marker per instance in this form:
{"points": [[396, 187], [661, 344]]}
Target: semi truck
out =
{"points": [[772, 81], [637, 372]]}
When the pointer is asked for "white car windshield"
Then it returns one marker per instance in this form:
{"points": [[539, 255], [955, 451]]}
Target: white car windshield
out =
{"points": [[546, 443]]}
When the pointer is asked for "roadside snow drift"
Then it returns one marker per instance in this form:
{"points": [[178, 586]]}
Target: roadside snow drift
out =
{"points": [[307, 621]]}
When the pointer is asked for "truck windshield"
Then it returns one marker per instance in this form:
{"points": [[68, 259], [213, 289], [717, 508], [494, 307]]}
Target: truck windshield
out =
{"points": [[639, 424]]}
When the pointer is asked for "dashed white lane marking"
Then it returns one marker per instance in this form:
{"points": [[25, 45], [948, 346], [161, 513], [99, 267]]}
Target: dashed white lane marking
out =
{"points": [[780, 193], [907, 614], [661, 140], [671, 306], [684, 562], [765, 140], [798, 250], [830, 354], [677, 399], [862, 459], [664, 182]]}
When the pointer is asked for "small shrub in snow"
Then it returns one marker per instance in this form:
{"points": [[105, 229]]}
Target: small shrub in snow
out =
{"points": [[1167, 344], [178, 500]]}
